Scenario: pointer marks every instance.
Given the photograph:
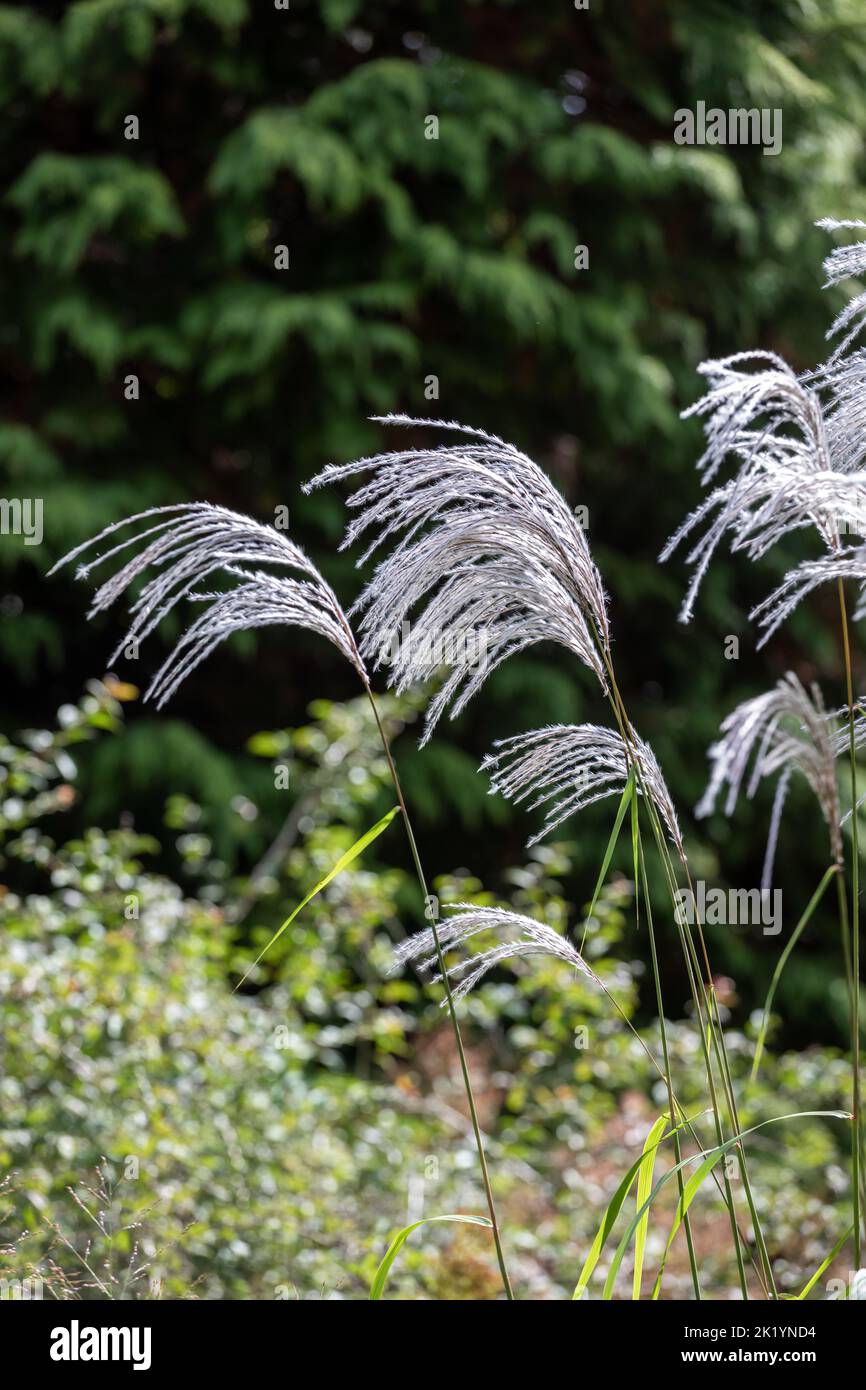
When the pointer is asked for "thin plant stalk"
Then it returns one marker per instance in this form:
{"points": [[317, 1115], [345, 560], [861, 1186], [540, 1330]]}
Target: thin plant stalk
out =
{"points": [[704, 1029], [855, 935], [710, 1026], [845, 933], [686, 1123], [718, 1039], [452, 1011], [717, 1036], [713, 1021], [664, 1041], [714, 1024], [833, 869], [849, 978]]}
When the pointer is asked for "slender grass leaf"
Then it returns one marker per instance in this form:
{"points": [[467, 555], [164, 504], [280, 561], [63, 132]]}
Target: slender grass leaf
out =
{"points": [[710, 1158], [825, 1264], [628, 793], [687, 1196], [345, 859], [378, 1284], [644, 1187], [611, 1212]]}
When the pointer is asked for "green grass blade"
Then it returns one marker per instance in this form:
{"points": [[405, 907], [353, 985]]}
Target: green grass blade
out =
{"points": [[380, 1278], [644, 1187], [825, 1264], [688, 1195], [710, 1159], [611, 1212], [625, 799], [795, 936], [345, 859]]}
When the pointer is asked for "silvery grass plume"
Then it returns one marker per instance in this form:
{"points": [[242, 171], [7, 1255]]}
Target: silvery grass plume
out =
{"points": [[787, 730], [848, 563], [488, 546], [846, 263], [842, 741], [571, 766], [797, 444], [529, 938], [187, 545], [843, 375]]}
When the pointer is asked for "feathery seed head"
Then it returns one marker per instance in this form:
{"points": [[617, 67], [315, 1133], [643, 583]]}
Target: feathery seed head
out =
{"points": [[843, 376], [486, 543], [524, 937], [797, 443], [849, 563], [783, 731], [846, 263], [571, 766], [188, 544]]}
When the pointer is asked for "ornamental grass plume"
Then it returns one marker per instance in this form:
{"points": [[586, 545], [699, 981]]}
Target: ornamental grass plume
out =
{"points": [[786, 480], [187, 546], [501, 552], [530, 938], [574, 766], [846, 263], [482, 539], [797, 447], [786, 730], [844, 564]]}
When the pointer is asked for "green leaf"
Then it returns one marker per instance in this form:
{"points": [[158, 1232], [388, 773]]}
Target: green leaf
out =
{"points": [[268, 744], [825, 1264], [687, 1196], [378, 1284], [345, 859], [612, 1211], [711, 1158], [644, 1187], [67, 200], [628, 793]]}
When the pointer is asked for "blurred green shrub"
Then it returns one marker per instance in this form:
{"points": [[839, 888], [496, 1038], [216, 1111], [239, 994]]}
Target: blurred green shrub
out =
{"points": [[161, 1136]]}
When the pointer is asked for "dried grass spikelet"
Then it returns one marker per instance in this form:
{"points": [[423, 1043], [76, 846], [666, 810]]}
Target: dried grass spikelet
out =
{"points": [[787, 730], [774, 428], [849, 563], [571, 766], [487, 546], [532, 939], [842, 377], [846, 263], [186, 546], [797, 444], [841, 741]]}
